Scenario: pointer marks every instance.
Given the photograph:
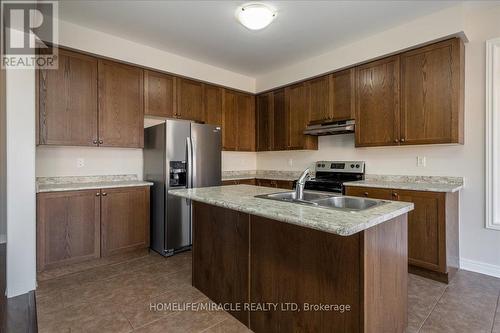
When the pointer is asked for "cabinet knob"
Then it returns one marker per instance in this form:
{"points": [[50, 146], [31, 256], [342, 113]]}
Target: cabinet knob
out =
{"points": [[396, 140], [101, 142], [395, 194], [402, 139], [98, 194], [365, 194], [104, 194], [95, 142]]}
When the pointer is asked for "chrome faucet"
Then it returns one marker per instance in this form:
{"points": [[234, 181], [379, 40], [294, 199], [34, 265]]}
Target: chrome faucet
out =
{"points": [[301, 182]]}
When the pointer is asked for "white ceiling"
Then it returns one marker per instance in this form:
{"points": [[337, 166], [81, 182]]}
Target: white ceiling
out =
{"points": [[207, 31]]}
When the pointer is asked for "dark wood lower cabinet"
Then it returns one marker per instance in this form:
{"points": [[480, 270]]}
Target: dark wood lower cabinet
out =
{"points": [[220, 256], [68, 227], [246, 259], [74, 226], [433, 243], [124, 219], [284, 184]]}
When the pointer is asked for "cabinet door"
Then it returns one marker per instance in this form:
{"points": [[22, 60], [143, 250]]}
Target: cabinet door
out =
{"points": [[229, 121], [190, 100], [426, 229], [370, 192], [280, 136], [264, 121], [212, 101], [267, 183], [121, 113], [285, 184], [68, 227], [432, 94], [158, 94], [297, 116], [247, 181], [68, 101], [246, 122], [343, 91], [321, 95], [124, 219], [377, 103], [220, 255]]}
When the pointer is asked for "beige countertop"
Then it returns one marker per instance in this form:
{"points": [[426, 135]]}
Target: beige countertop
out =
{"points": [[76, 183], [340, 222], [413, 183]]}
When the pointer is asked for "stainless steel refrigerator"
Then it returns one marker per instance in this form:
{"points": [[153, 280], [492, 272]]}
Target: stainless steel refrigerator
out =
{"points": [[178, 154]]}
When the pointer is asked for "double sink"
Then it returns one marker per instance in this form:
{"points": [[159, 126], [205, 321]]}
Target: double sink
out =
{"points": [[325, 200]]}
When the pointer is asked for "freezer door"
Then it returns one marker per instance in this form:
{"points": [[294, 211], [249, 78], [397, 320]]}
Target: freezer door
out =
{"points": [[155, 172], [206, 146], [178, 210]]}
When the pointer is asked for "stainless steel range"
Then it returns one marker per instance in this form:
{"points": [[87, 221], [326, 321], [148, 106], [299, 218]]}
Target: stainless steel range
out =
{"points": [[331, 175]]}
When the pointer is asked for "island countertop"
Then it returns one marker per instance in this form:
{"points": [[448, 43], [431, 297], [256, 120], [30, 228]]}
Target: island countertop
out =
{"points": [[345, 223]]}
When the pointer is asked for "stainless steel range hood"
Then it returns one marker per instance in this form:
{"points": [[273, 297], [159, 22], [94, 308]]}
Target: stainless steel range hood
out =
{"points": [[331, 128]]}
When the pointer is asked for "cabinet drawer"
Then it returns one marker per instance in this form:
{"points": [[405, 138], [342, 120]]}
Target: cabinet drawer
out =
{"points": [[370, 192]]}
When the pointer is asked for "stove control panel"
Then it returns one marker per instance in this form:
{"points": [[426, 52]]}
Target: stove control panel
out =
{"points": [[340, 166]]}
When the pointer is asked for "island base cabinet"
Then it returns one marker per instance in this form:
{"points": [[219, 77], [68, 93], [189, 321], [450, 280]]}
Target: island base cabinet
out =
{"points": [[248, 260], [220, 255]]}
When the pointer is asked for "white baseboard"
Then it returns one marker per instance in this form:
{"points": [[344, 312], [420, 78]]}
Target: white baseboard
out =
{"points": [[3, 239], [480, 267]]}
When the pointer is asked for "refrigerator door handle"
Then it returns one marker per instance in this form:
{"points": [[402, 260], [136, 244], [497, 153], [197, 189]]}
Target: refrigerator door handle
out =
{"points": [[189, 152]]}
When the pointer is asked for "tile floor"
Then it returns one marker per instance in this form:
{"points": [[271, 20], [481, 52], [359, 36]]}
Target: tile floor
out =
{"points": [[114, 295]]}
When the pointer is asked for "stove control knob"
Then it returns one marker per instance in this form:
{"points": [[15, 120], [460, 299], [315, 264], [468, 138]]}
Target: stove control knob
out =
{"points": [[357, 166], [319, 165], [352, 166], [322, 165]]}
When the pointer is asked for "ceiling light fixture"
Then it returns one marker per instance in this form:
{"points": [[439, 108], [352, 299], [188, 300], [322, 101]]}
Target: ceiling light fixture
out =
{"points": [[255, 16]]}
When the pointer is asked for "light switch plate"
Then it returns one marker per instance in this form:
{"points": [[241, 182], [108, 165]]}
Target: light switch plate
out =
{"points": [[421, 161]]}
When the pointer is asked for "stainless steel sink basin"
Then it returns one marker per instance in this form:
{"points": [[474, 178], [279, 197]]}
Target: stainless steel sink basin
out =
{"points": [[325, 200], [350, 203]]}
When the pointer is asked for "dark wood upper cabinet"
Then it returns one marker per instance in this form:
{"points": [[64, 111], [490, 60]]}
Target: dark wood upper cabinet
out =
{"points": [[190, 100], [280, 136], [67, 105], [297, 105], [68, 227], [321, 96], [246, 122], [264, 121], [332, 97], [377, 103], [158, 94], [124, 219], [229, 121], [432, 93], [238, 121], [343, 86], [121, 112], [212, 101]]}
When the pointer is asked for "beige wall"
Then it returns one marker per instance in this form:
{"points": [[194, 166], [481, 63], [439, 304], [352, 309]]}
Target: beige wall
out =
{"points": [[3, 162], [479, 247]]}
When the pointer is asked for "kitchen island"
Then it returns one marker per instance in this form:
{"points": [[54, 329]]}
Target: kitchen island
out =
{"points": [[284, 267]]}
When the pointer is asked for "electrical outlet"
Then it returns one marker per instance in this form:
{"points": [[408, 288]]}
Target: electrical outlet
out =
{"points": [[80, 162], [421, 161]]}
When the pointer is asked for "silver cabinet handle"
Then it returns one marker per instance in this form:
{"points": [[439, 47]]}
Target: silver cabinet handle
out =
{"points": [[101, 142], [104, 194], [98, 194]]}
